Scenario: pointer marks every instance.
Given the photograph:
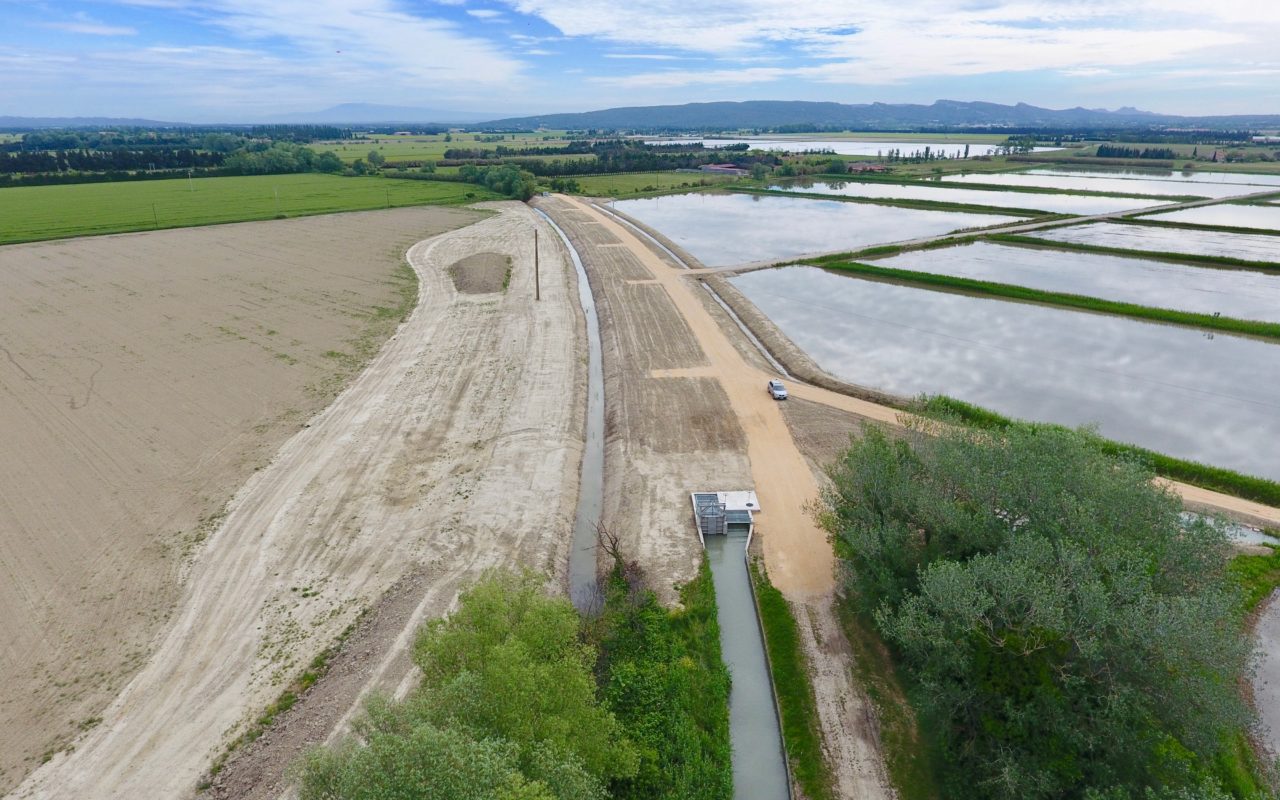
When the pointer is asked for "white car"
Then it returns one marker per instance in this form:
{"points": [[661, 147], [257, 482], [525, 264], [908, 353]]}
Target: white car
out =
{"points": [[777, 391]]}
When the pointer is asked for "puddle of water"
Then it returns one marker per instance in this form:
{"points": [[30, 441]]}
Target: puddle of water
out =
{"points": [[1266, 218], [941, 193], [1233, 293], [582, 557], [1180, 391], [1248, 246], [1266, 681], [721, 230], [845, 147], [759, 768]]}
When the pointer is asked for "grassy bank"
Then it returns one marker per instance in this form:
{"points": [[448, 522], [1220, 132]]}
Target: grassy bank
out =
{"points": [[907, 753], [1224, 262], [1217, 479], [633, 184], [1196, 226], [790, 674], [1269, 330], [1257, 576], [34, 213]]}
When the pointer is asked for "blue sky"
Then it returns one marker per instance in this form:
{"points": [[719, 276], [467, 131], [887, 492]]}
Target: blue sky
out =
{"points": [[242, 60]]}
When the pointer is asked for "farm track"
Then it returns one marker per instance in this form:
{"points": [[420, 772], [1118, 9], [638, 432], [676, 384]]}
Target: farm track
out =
{"points": [[455, 451]]}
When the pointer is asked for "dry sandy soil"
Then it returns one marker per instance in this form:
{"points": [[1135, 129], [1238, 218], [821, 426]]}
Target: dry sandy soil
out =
{"points": [[453, 452], [143, 379]]}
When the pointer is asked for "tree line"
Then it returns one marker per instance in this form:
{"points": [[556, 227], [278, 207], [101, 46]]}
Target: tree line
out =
{"points": [[1117, 151]]}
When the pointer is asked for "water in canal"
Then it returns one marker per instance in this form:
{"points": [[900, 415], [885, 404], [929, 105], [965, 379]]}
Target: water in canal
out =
{"points": [[1263, 218], [1247, 246], [1176, 390], [759, 766], [1078, 204], [582, 556], [722, 230], [1181, 176], [1243, 294]]}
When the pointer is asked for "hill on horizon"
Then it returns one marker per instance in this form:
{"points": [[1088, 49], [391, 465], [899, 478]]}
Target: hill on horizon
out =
{"points": [[868, 116]]}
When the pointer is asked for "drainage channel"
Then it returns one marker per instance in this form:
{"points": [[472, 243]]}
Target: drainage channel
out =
{"points": [[759, 765], [742, 326], [582, 556]]}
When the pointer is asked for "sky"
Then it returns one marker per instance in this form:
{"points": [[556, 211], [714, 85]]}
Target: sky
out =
{"points": [[252, 60]]}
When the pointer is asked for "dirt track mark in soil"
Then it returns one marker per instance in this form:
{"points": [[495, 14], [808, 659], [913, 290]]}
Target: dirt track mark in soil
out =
{"points": [[312, 538], [147, 377]]}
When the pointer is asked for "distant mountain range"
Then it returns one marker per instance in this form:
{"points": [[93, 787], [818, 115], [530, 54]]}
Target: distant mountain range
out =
{"points": [[869, 116], [28, 123], [764, 114]]}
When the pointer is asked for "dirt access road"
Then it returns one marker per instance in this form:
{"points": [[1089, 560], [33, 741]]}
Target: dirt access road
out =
{"points": [[456, 450], [707, 408]]}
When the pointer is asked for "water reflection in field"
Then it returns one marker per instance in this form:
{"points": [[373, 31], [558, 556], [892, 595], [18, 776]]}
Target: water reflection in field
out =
{"points": [[1053, 203], [1175, 390], [1264, 218], [1246, 246], [1243, 294], [727, 229]]}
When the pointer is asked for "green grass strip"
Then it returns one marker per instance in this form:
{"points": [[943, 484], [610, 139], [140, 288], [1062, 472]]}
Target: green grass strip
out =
{"points": [[1268, 330], [1224, 262], [927, 205], [1195, 226], [1205, 476], [790, 672], [1257, 576]]}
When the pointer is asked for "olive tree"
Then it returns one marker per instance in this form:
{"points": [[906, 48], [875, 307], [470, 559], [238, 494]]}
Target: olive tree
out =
{"points": [[1061, 625]]}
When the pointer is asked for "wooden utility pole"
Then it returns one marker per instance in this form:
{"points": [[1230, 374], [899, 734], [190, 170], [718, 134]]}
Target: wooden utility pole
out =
{"points": [[537, 278]]}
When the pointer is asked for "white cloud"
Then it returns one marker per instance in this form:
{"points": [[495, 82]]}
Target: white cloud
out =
{"points": [[485, 13], [84, 24], [887, 41], [646, 56]]}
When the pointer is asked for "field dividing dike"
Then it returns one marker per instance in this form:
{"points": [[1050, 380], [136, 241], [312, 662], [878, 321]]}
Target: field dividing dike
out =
{"points": [[922, 205]]}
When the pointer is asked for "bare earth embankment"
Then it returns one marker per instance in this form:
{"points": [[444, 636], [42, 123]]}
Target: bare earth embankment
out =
{"points": [[687, 410], [143, 378]]}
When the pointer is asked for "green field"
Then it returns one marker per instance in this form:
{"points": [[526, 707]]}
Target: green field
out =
{"points": [[431, 148], [633, 183], [53, 212]]}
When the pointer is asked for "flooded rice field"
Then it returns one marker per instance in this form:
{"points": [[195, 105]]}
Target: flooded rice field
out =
{"points": [[1192, 176], [1233, 293], [845, 147], [727, 229], [1071, 181], [1179, 391], [1052, 203], [1247, 246], [1263, 218]]}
